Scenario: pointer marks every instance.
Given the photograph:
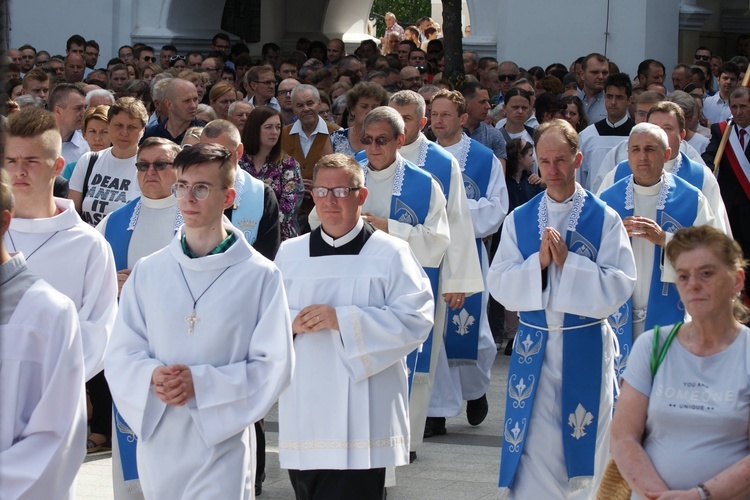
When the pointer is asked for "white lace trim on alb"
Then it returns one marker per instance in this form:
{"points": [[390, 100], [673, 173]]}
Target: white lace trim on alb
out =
{"points": [[579, 198]]}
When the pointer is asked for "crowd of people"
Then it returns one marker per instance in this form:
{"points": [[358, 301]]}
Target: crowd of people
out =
{"points": [[188, 238]]}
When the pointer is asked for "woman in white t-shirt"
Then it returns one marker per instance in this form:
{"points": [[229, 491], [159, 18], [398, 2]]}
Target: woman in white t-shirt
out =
{"points": [[113, 179], [686, 432]]}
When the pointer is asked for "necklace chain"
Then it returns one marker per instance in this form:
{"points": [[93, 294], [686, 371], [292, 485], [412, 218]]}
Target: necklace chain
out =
{"points": [[193, 319], [27, 257]]}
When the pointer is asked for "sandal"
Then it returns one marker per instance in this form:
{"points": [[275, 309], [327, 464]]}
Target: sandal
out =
{"points": [[94, 447]]}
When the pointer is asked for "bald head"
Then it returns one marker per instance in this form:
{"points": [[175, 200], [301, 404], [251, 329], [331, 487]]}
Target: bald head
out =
{"points": [[74, 68]]}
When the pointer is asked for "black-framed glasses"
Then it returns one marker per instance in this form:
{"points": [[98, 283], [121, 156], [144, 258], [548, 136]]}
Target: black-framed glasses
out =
{"points": [[178, 57], [283, 92], [149, 58], [265, 82], [199, 190], [380, 141], [338, 192], [702, 57], [142, 166], [506, 78]]}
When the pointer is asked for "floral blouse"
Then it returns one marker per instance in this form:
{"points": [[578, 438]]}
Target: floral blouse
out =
{"points": [[285, 178], [340, 142]]}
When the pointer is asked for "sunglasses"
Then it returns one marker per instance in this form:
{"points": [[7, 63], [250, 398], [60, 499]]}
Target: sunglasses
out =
{"points": [[380, 141], [149, 58], [177, 58], [506, 78], [702, 58], [142, 166]]}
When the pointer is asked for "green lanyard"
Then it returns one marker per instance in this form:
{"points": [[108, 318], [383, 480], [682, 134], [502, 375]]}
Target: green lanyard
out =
{"points": [[657, 356]]}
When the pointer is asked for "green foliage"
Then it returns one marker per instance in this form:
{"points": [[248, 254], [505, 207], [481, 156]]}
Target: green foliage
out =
{"points": [[407, 12]]}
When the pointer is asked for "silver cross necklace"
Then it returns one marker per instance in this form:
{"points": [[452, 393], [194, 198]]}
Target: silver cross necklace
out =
{"points": [[193, 319]]}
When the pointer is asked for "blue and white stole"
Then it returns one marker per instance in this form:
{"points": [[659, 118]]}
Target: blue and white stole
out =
{"points": [[462, 336], [683, 167], [120, 226], [247, 210], [410, 204], [582, 351], [676, 207]]}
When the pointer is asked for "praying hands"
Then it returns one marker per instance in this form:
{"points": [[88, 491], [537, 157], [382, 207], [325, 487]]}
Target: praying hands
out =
{"points": [[552, 249], [173, 384]]}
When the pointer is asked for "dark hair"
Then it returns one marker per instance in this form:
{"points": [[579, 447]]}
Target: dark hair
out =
{"points": [[61, 92], [207, 153], [645, 66], [91, 43], [469, 89], [517, 91], [546, 103], [621, 81], [251, 133], [730, 67], [583, 120], [75, 40], [220, 36], [146, 48], [515, 149], [267, 47]]}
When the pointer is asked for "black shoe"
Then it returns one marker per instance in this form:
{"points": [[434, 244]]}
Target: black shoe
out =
{"points": [[509, 348], [412, 456], [259, 484], [476, 410], [435, 426]]}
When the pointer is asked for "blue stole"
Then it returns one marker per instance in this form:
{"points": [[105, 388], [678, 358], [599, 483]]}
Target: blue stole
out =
{"points": [[677, 208], [247, 210], [438, 162], [684, 168], [462, 336], [119, 230], [582, 351], [410, 204]]}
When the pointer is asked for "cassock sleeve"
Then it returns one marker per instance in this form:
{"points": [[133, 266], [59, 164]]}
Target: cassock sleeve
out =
{"points": [[231, 397], [98, 306], [269, 228], [461, 270], [129, 363], [430, 240], [374, 338], [598, 289], [487, 213], [704, 217], [513, 281], [709, 155], [50, 448]]}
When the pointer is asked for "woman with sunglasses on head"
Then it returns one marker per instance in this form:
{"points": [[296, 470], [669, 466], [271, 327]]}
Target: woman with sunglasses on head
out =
{"points": [[265, 160], [103, 184]]}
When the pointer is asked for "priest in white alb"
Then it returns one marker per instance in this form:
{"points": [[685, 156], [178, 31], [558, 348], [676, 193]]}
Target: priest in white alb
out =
{"points": [[360, 302], [564, 261], [42, 398], [460, 271], [653, 204], [190, 366]]}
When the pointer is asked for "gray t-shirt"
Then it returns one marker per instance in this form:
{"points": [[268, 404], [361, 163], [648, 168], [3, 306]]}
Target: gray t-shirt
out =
{"points": [[699, 408]]}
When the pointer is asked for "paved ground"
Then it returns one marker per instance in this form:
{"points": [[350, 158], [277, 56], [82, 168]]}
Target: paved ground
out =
{"points": [[462, 464]]}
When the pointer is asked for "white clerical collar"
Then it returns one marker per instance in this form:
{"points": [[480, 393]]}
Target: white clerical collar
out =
{"points": [[410, 150], [343, 240], [617, 123], [669, 164], [167, 202], [387, 172], [65, 219], [320, 128], [652, 190]]}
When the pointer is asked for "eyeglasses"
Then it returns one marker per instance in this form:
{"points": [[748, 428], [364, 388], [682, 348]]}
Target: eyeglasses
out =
{"points": [[702, 58], [380, 141], [284, 92], [177, 58], [265, 82], [507, 78], [221, 47], [149, 58], [142, 166], [338, 192], [199, 190]]}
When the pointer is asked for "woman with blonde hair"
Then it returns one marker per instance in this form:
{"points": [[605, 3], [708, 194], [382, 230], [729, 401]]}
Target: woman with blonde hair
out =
{"points": [[222, 95], [680, 429], [95, 127]]}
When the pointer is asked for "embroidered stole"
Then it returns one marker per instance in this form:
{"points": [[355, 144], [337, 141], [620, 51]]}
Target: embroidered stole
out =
{"points": [[687, 170], [462, 336], [582, 352], [247, 210], [677, 207], [739, 162], [410, 205]]}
